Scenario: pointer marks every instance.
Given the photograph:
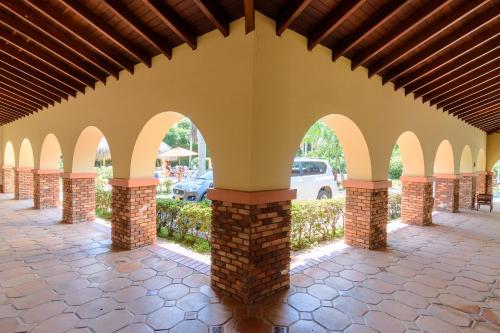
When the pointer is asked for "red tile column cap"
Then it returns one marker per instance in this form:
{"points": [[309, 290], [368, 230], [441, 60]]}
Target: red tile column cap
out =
{"points": [[46, 172], [72, 175], [416, 179], [23, 169], [487, 173], [251, 197], [367, 184], [125, 182], [7, 166], [446, 176]]}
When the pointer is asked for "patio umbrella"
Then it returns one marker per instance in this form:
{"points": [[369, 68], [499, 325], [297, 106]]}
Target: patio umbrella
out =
{"points": [[176, 153], [103, 153]]}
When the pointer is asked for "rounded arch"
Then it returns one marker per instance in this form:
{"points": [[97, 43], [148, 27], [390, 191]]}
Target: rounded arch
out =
{"points": [[356, 153], [50, 154], [444, 163], [85, 150], [146, 145], [481, 160], [26, 159], [466, 163], [9, 156], [412, 154]]}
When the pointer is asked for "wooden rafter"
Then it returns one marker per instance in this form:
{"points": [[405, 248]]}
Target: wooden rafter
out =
{"points": [[249, 12], [474, 100], [21, 81], [214, 14], [290, 14], [466, 97]]}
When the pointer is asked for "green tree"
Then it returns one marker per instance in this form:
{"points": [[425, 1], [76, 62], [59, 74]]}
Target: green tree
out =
{"points": [[178, 136], [395, 164]]}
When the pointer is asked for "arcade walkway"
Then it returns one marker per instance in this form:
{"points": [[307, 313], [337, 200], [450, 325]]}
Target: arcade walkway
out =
{"points": [[66, 278]]}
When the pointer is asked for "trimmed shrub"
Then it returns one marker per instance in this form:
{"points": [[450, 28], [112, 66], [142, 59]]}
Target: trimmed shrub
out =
{"points": [[394, 208], [166, 214], [194, 219]]}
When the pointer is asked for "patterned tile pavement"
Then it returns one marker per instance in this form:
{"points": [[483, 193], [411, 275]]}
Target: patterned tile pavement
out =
{"points": [[67, 278]]}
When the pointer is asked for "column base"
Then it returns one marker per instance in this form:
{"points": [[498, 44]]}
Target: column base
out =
{"points": [[133, 223], [467, 191], [46, 188], [23, 183], [366, 213], [416, 200], [78, 197], [446, 193], [250, 243]]}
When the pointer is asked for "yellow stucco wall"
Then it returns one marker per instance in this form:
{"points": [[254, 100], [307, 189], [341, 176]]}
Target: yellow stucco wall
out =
{"points": [[253, 97], [493, 152]]}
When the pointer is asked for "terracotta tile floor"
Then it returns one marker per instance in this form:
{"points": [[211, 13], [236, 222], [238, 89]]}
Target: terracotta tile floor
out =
{"points": [[65, 278]]}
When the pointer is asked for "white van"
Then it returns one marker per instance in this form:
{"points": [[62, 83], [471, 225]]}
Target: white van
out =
{"points": [[312, 178]]}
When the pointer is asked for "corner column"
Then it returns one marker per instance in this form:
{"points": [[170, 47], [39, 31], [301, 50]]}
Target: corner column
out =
{"points": [[446, 192], [416, 200], [250, 243], [365, 223], [78, 197], [467, 191], [484, 182], [46, 188], [23, 183], [7, 179], [133, 223]]}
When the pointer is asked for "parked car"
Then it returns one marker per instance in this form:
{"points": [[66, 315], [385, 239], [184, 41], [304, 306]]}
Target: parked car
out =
{"points": [[312, 178], [196, 189]]}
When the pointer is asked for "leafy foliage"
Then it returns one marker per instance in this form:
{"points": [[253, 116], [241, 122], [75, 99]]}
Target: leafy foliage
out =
{"points": [[394, 208], [103, 192], [395, 164]]}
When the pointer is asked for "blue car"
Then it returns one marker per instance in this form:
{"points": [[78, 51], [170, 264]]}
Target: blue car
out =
{"points": [[196, 189]]}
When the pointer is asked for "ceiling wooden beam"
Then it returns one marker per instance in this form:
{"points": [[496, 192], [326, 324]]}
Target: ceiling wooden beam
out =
{"points": [[444, 43], [119, 8], [399, 31], [290, 14], [16, 105], [27, 84], [381, 16], [22, 96], [445, 65], [106, 29], [426, 34], [59, 20], [479, 115], [7, 115], [215, 15], [22, 88], [472, 100], [466, 112], [172, 21], [336, 17], [469, 96], [478, 101], [249, 9], [485, 120]]}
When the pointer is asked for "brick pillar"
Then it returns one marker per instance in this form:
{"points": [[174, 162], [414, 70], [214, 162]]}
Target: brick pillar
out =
{"points": [[365, 223], [484, 182], [416, 200], [446, 192], [467, 191], [250, 243], [78, 197], [46, 188], [133, 223], [23, 183], [7, 179]]}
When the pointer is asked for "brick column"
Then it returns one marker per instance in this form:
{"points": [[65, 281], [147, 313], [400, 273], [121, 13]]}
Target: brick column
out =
{"points": [[7, 179], [467, 191], [416, 200], [365, 223], [23, 183], [446, 192], [484, 182], [133, 223], [250, 243], [78, 197], [46, 188]]}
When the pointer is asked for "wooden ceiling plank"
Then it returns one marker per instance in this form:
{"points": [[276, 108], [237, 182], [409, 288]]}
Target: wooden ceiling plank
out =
{"points": [[173, 21], [426, 34], [12, 110], [444, 43], [446, 65], [140, 27], [109, 31], [485, 120], [61, 21], [381, 16], [476, 108], [290, 14], [463, 99], [477, 101], [22, 88], [28, 84], [8, 115], [10, 102], [399, 31], [215, 15], [249, 9], [334, 19], [21, 97]]}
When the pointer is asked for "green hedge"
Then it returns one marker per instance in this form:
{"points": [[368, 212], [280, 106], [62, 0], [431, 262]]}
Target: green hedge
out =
{"points": [[394, 208]]}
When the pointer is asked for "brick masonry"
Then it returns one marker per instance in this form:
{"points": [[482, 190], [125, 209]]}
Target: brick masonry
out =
{"points": [[366, 217], [484, 183], [416, 202], [467, 191], [23, 183], [78, 198], [7, 179], [133, 223], [46, 189], [447, 193]]}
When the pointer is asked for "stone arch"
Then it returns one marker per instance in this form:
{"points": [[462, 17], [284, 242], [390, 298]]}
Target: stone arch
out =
{"points": [[9, 156], [26, 159], [466, 162], [444, 163], [411, 154], [85, 150], [481, 160], [146, 145], [50, 154]]}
